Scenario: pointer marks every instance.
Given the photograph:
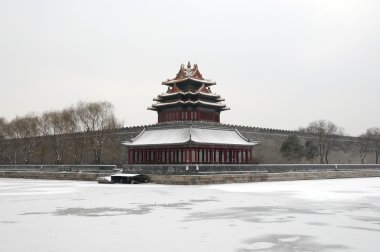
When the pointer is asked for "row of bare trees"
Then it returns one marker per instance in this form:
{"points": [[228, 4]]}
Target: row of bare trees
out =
{"points": [[370, 141], [87, 124], [325, 134], [321, 137]]}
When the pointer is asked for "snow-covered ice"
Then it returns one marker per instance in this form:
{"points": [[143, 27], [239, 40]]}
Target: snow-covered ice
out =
{"points": [[318, 215]]}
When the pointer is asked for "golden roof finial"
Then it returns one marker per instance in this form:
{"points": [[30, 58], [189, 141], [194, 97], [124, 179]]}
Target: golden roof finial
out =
{"points": [[188, 64]]}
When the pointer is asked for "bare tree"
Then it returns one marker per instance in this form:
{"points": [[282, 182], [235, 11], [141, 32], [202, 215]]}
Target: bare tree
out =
{"points": [[51, 127], [77, 137], [24, 131], [98, 120], [41, 149], [365, 142], [310, 150], [56, 126], [3, 125], [326, 134], [373, 138]]}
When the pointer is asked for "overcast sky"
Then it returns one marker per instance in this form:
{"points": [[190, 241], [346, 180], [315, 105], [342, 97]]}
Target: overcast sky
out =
{"points": [[278, 63]]}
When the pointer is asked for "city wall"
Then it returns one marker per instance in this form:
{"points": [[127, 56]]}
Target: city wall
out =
{"points": [[346, 150], [267, 152], [205, 179]]}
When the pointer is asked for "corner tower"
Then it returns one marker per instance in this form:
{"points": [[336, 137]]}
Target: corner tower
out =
{"points": [[188, 98]]}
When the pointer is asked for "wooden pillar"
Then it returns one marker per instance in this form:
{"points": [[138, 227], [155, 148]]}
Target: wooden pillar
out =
{"points": [[191, 155], [212, 155], [128, 156]]}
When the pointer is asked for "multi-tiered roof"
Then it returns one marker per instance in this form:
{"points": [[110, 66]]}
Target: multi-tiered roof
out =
{"points": [[200, 138], [189, 91]]}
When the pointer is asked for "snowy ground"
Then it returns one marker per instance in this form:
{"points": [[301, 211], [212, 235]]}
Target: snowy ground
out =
{"points": [[319, 215]]}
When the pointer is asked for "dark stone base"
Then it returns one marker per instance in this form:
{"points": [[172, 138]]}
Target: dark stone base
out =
{"points": [[236, 168]]}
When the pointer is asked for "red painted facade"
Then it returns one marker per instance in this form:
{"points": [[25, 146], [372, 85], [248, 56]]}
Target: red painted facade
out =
{"points": [[190, 155], [188, 115]]}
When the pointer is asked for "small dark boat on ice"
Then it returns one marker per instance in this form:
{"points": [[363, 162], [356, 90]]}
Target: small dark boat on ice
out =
{"points": [[124, 178]]}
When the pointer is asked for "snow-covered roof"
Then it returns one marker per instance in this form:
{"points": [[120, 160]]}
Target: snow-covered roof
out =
{"points": [[190, 134]]}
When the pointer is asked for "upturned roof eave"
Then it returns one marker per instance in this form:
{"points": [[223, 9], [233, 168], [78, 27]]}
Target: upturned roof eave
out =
{"points": [[173, 81], [191, 93], [221, 106]]}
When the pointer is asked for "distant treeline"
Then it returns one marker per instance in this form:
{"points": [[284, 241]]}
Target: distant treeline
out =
{"points": [[323, 138], [62, 136], [90, 133]]}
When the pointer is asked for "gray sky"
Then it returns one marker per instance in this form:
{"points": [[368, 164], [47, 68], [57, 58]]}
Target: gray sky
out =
{"points": [[278, 63]]}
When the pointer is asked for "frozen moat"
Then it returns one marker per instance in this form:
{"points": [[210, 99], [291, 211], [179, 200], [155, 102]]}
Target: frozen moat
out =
{"points": [[319, 215]]}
